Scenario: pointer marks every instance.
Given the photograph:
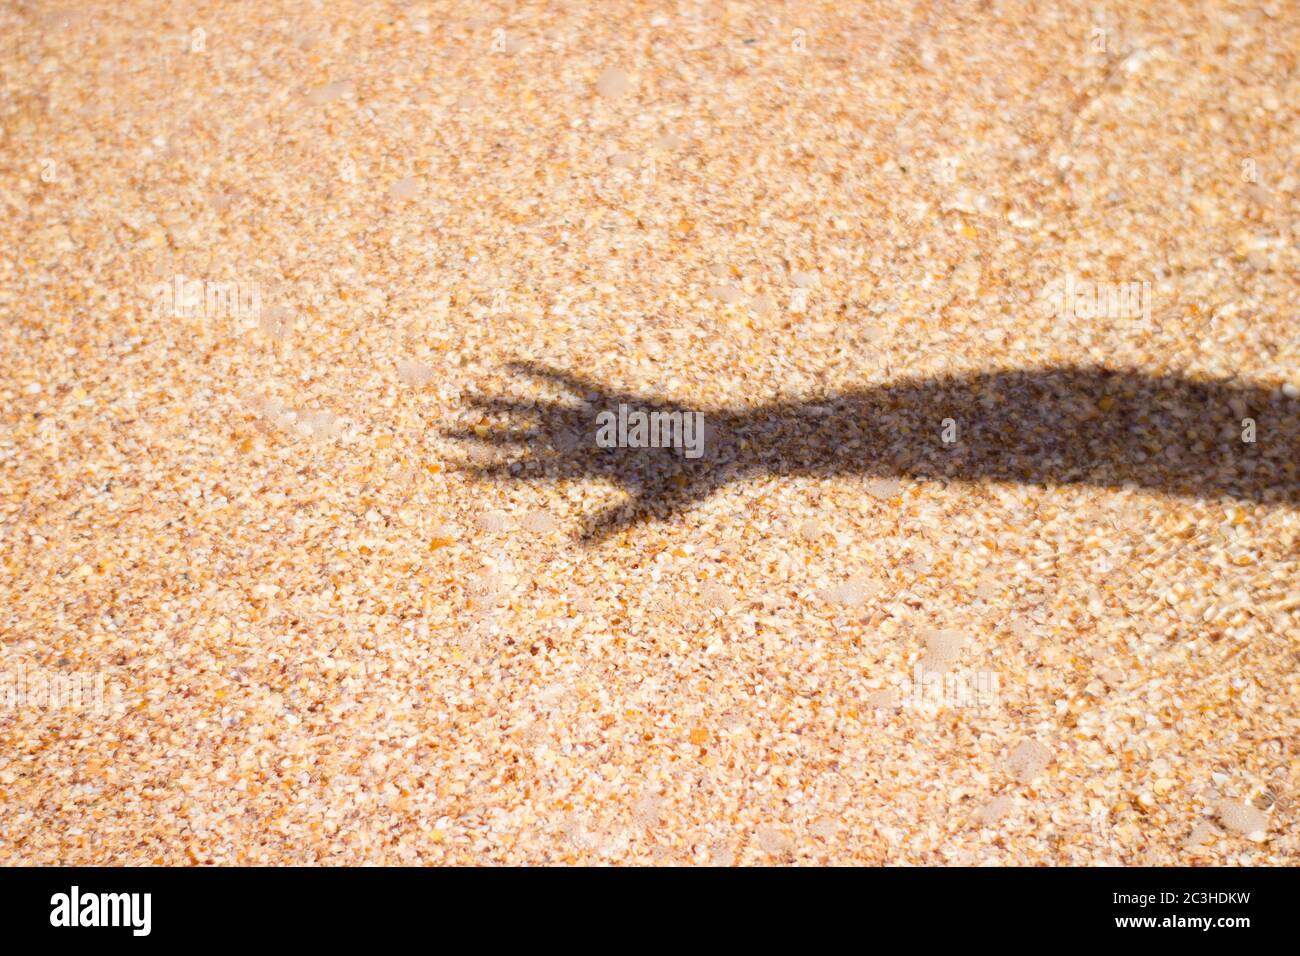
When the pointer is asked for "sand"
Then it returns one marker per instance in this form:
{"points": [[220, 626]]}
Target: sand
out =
{"points": [[336, 582]]}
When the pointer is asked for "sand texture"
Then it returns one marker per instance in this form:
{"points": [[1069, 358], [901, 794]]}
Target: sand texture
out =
{"points": [[990, 317]]}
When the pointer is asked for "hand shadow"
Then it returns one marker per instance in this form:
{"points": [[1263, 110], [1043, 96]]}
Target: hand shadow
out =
{"points": [[1049, 426]]}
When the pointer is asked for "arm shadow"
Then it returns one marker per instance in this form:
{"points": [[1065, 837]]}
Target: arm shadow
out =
{"points": [[1083, 425]]}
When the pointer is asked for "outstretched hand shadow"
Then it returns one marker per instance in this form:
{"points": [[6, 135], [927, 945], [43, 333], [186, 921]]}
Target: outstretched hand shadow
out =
{"points": [[1050, 426]]}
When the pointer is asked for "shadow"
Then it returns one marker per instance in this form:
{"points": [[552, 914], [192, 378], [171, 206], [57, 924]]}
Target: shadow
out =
{"points": [[1050, 426]]}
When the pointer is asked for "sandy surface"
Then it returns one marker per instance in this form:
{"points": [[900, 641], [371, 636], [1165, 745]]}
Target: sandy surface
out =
{"points": [[342, 584]]}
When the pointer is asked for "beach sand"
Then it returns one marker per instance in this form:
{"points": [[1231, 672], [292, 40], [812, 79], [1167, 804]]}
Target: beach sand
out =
{"points": [[266, 277]]}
